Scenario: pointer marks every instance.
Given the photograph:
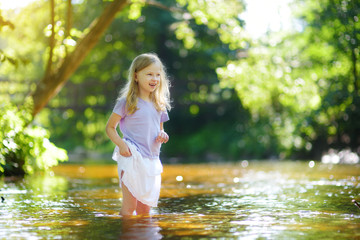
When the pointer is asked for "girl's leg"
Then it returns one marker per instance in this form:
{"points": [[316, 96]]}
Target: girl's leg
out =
{"points": [[142, 209], [129, 201]]}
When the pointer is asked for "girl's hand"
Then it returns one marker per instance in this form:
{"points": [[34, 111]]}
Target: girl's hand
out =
{"points": [[162, 137], [124, 150]]}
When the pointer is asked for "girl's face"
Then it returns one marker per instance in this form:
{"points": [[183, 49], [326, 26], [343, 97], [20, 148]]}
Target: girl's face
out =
{"points": [[148, 79]]}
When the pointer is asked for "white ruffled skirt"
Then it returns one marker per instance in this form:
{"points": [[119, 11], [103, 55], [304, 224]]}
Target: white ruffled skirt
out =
{"points": [[142, 176]]}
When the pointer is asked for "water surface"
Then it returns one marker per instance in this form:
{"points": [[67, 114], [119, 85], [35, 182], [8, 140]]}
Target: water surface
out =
{"points": [[244, 200]]}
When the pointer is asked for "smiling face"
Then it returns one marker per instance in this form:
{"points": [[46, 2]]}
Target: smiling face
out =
{"points": [[148, 80]]}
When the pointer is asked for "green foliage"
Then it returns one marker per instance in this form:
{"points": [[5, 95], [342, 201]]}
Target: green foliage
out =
{"points": [[304, 83], [335, 28], [221, 16], [4, 57], [135, 9], [185, 33], [85, 102], [293, 93], [24, 148], [271, 83]]}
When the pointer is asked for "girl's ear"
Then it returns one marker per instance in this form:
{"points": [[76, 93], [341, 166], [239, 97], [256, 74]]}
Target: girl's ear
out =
{"points": [[135, 77]]}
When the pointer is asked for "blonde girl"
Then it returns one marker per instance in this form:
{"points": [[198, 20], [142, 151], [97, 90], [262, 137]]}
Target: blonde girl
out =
{"points": [[140, 110]]}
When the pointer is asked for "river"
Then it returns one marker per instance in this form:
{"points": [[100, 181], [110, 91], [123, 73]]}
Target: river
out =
{"points": [[243, 200]]}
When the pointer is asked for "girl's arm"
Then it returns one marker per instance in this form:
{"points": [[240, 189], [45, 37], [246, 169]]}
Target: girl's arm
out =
{"points": [[114, 136], [162, 137]]}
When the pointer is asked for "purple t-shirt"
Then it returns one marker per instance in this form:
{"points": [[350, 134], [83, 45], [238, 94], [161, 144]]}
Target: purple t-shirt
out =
{"points": [[142, 127]]}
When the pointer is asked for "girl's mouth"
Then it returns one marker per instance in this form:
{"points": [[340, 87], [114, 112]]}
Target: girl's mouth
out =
{"points": [[153, 84]]}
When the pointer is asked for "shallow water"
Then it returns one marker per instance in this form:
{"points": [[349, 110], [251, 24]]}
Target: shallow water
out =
{"points": [[245, 200]]}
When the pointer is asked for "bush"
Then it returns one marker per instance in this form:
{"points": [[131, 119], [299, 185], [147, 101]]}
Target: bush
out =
{"points": [[24, 148]]}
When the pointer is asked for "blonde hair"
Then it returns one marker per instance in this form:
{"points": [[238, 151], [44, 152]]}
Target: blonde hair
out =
{"points": [[160, 97]]}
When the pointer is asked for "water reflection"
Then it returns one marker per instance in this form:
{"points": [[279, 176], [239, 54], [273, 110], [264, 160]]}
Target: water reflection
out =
{"points": [[247, 200], [139, 228]]}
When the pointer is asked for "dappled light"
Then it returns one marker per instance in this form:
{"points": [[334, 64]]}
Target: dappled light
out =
{"points": [[245, 199], [264, 130], [290, 92]]}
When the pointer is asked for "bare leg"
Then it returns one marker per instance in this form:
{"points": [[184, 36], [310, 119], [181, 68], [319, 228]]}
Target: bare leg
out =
{"points": [[142, 209], [129, 201]]}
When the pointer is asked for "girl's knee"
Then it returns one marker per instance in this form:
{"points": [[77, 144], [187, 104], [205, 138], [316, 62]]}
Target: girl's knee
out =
{"points": [[129, 203]]}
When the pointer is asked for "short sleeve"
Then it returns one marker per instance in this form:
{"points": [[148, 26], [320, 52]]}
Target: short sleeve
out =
{"points": [[164, 116], [119, 107]]}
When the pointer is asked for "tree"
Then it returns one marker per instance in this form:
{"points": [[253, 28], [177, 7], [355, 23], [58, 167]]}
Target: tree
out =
{"points": [[53, 80], [334, 25], [209, 13], [85, 102], [4, 23], [305, 84], [67, 46]]}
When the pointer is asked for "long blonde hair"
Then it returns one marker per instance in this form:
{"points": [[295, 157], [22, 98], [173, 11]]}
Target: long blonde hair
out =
{"points": [[160, 97]]}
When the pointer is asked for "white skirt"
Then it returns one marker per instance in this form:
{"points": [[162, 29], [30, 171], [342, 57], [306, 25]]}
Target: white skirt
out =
{"points": [[142, 176]]}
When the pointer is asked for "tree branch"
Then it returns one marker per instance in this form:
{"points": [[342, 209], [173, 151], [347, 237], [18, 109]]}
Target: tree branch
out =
{"points": [[50, 85], [4, 23], [52, 39], [162, 6], [69, 21]]}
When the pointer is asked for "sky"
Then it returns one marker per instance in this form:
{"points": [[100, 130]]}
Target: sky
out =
{"points": [[263, 15], [12, 4], [260, 15]]}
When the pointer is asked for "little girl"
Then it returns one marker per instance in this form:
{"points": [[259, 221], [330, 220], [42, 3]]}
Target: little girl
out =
{"points": [[141, 110]]}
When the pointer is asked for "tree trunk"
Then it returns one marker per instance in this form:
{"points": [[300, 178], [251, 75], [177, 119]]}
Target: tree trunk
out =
{"points": [[69, 22], [355, 73], [51, 84], [52, 40]]}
